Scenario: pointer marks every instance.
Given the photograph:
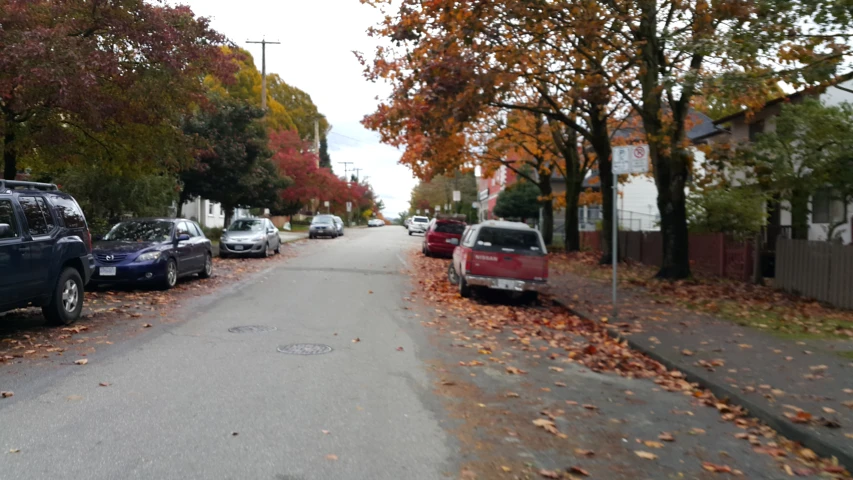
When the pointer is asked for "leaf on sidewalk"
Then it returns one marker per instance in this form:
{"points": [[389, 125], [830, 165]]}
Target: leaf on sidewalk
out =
{"points": [[356, 340], [548, 473], [584, 453], [652, 444], [7, 394], [514, 371], [82, 361], [666, 437], [331, 457]]}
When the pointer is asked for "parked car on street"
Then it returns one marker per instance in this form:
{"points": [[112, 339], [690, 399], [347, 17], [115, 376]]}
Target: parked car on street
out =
{"points": [[375, 222], [322, 226], [339, 224], [154, 251], [440, 235], [45, 251], [508, 256], [249, 237], [418, 225]]}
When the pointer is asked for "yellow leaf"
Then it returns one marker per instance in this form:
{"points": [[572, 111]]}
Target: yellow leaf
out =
{"points": [[646, 455]]}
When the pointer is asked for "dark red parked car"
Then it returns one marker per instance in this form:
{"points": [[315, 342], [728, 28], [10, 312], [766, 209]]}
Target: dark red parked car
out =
{"points": [[507, 256], [442, 236]]}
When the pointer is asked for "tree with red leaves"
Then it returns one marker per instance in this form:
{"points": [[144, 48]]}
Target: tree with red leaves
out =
{"points": [[93, 73]]}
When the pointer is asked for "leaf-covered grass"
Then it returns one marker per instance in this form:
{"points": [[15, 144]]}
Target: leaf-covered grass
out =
{"points": [[759, 307]]}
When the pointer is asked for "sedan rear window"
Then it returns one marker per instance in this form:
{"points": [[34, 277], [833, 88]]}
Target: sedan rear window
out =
{"points": [[450, 227], [421, 220], [501, 239], [322, 219]]}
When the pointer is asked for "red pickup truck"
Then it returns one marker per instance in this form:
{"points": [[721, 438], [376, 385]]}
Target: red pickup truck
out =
{"points": [[500, 255]]}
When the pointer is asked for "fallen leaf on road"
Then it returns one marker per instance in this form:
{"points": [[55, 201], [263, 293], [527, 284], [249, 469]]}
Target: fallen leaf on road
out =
{"points": [[82, 361], [716, 468], [506, 469], [687, 353], [652, 444], [29, 352], [331, 457], [370, 292], [14, 450], [807, 454], [579, 471], [546, 424], [73, 398], [560, 384], [104, 384], [590, 407], [584, 453], [399, 349], [818, 368], [325, 432], [234, 434], [555, 369], [448, 383], [511, 395], [646, 455], [514, 371], [356, 340], [697, 431], [666, 437], [7, 394], [549, 473], [146, 325], [828, 410]]}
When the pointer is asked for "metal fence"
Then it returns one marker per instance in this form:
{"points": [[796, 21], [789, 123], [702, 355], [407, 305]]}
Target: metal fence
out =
{"points": [[819, 270]]}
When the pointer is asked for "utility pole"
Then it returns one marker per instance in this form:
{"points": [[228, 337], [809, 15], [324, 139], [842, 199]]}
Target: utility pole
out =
{"points": [[264, 44], [356, 170], [346, 170]]}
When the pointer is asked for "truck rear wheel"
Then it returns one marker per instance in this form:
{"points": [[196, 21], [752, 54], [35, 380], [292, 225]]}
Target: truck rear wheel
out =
{"points": [[464, 289]]}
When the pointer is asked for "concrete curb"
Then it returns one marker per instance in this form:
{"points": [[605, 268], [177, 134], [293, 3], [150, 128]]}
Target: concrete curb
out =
{"points": [[776, 421]]}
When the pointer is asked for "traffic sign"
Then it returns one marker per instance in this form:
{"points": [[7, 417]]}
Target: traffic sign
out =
{"points": [[630, 159], [326, 203], [438, 208], [349, 207], [457, 196]]}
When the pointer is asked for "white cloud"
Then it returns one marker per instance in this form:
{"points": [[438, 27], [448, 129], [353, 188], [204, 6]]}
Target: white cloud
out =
{"points": [[317, 40]]}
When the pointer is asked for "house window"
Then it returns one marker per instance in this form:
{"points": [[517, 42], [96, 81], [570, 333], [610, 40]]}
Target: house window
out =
{"points": [[210, 208], [755, 128], [827, 208]]}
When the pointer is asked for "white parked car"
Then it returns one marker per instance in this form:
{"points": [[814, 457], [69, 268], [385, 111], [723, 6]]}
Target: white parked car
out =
{"points": [[418, 224], [375, 223]]}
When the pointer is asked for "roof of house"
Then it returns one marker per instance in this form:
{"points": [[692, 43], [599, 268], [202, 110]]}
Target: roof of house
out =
{"points": [[817, 89]]}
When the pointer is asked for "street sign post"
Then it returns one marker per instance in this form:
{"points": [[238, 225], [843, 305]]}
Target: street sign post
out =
{"points": [[457, 196], [626, 160], [437, 208]]}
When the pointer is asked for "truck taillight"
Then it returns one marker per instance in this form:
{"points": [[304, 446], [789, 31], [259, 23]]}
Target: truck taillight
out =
{"points": [[89, 239], [467, 263]]}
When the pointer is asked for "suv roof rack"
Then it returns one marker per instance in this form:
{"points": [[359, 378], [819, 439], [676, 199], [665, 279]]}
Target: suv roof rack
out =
{"points": [[17, 184]]}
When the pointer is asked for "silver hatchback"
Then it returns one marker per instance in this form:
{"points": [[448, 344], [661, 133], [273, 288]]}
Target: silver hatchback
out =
{"points": [[255, 237]]}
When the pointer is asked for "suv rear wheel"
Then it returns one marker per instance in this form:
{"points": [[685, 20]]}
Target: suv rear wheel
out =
{"points": [[66, 301]]}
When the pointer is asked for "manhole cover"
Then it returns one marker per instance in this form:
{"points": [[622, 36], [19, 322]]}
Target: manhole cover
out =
{"points": [[251, 329], [305, 349]]}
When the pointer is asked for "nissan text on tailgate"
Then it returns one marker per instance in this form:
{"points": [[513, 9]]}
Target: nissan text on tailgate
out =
{"points": [[500, 255]]}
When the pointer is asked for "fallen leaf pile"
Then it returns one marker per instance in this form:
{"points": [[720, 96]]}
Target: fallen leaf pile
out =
{"points": [[761, 306], [554, 334]]}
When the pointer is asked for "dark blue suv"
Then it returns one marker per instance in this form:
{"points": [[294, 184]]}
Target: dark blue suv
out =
{"points": [[45, 250]]}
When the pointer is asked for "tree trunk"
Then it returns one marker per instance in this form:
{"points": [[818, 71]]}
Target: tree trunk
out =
{"points": [[229, 214], [676, 259], [10, 158], [603, 151], [573, 238], [547, 226], [800, 215]]}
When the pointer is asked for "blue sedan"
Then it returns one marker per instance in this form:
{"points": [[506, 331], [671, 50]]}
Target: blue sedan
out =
{"points": [[154, 251]]}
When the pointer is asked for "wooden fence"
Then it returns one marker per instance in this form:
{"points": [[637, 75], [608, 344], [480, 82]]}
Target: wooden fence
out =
{"points": [[819, 270], [710, 253]]}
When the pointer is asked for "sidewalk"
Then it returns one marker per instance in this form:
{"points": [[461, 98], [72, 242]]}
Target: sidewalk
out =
{"points": [[804, 393]]}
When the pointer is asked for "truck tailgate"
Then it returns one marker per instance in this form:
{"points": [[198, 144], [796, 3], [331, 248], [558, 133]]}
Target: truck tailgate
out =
{"points": [[521, 266]]}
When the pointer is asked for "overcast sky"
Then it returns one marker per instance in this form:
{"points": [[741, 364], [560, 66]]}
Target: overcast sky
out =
{"points": [[317, 39]]}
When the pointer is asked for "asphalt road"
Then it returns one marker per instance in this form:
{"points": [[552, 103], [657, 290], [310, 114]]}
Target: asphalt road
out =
{"points": [[198, 402], [186, 399]]}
